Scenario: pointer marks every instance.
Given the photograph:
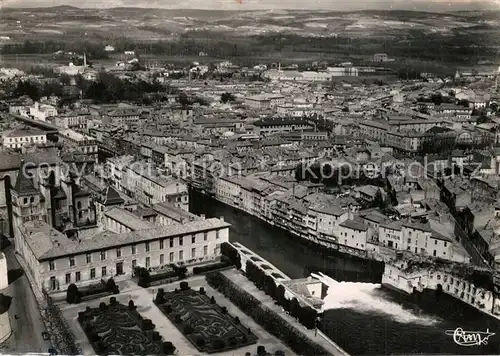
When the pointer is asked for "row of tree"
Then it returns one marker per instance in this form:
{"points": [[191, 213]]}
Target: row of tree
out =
{"points": [[92, 50], [106, 89], [305, 314], [271, 321]]}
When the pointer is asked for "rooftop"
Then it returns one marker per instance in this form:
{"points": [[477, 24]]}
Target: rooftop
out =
{"points": [[47, 243]]}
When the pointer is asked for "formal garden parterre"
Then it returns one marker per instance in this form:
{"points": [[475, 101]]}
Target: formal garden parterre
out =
{"points": [[117, 329], [205, 324]]}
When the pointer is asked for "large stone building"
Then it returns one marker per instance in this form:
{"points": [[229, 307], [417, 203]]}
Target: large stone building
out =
{"points": [[55, 260]]}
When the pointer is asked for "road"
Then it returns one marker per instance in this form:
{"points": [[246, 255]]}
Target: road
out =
{"points": [[27, 329]]}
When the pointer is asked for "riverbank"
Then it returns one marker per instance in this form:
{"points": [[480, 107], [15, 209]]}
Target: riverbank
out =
{"points": [[357, 307], [249, 230], [316, 336]]}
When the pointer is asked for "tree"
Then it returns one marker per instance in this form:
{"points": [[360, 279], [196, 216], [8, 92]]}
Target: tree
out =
{"points": [[226, 97], [379, 201], [183, 99], [72, 294]]}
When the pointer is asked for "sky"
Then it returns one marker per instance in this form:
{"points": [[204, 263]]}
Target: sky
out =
{"points": [[341, 5]]}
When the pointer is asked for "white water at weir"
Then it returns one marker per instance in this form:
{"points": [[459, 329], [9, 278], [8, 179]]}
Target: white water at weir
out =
{"points": [[364, 297]]}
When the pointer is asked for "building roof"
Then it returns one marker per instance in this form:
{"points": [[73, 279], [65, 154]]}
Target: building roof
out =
{"points": [[111, 197], [128, 219], [24, 133], [24, 185], [354, 225], [174, 213], [280, 121], [48, 243]]}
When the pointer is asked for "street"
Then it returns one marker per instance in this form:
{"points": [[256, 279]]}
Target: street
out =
{"points": [[27, 329]]}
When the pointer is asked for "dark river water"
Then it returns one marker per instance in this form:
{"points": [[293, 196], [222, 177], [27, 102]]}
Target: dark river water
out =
{"points": [[360, 316]]}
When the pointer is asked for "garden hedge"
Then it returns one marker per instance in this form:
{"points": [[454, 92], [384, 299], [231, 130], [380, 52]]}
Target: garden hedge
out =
{"points": [[267, 318]]}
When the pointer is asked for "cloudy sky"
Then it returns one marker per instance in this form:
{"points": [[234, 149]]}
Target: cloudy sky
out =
{"points": [[264, 4]]}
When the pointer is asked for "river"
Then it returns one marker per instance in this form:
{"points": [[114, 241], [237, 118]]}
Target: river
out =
{"points": [[360, 315]]}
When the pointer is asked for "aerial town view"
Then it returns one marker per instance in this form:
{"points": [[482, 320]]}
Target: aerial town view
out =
{"points": [[249, 177]]}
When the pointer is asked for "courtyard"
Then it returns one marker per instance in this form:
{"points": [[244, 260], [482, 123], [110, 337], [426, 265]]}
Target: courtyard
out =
{"points": [[143, 300], [206, 324], [117, 329]]}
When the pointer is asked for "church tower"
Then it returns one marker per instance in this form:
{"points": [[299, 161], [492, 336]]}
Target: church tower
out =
{"points": [[26, 202]]}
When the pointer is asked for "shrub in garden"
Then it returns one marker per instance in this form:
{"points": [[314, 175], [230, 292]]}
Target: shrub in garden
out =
{"points": [[188, 329], [94, 337], [232, 254], [72, 294], [236, 320], [113, 301], [156, 336], [178, 319], [233, 341], [185, 286], [224, 310], [279, 353], [200, 342], [181, 272], [212, 300], [160, 296], [261, 350], [102, 306], [144, 276], [202, 291], [147, 324], [218, 344], [131, 305], [168, 348], [81, 316], [168, 309], [111, 286], [248, 354], [268, 319], [100, 346]]}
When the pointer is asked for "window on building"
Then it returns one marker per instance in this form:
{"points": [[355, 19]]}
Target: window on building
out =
{"points": [[118, 252], [51, 265], [25, 200], [162, 242], [217, 234], [162, 259], [103, 255], [134, 264], [193, 239], [147, 246], [68, 278], [193, 252], [205, 250], [409, 240], [148, 262], [133, 249], [92, 273], [181, 241], [205, 236], [104, 271], [77, 277], [181, 255], [72, 261], [435, 242], [89, 258], [171, 257], [445, 244], [171, 242]]}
